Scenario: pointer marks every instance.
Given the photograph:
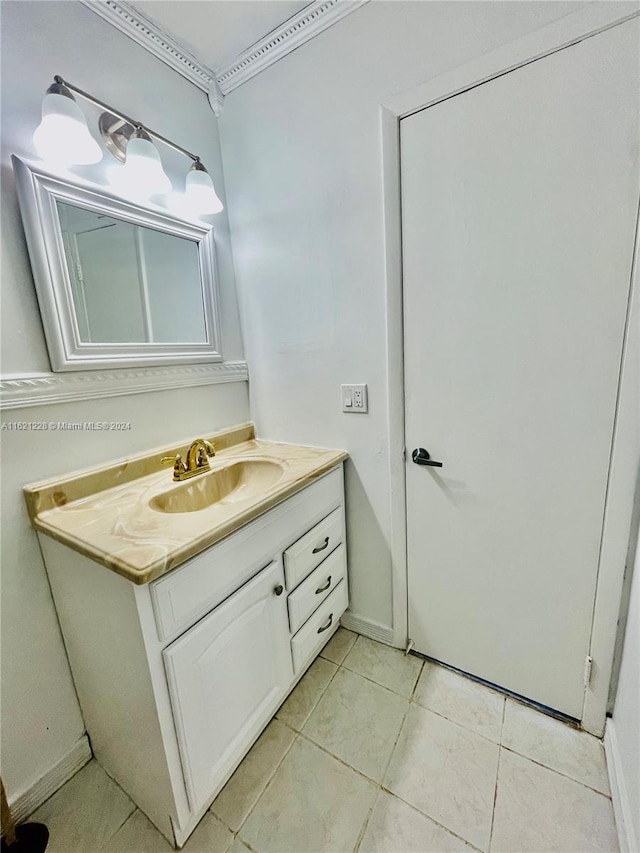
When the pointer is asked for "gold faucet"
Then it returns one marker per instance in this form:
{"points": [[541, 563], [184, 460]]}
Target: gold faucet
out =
{"points": [[197, 460]]}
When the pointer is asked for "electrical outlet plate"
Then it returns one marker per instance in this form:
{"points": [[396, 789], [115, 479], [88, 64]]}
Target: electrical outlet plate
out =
{"points": [[355, 399]]}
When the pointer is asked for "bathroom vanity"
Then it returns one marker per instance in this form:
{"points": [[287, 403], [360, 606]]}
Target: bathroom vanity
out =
{"points": [[190, 610]]}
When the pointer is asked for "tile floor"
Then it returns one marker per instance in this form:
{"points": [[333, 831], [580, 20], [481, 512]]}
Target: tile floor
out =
{"points": [[375, 751]]}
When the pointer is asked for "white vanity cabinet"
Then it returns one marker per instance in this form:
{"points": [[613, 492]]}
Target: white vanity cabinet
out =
{"points": [[227, 676], [178, 677]]}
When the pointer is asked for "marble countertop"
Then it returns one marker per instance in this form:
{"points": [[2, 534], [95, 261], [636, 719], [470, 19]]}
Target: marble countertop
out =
{"points": [[105, 513]]}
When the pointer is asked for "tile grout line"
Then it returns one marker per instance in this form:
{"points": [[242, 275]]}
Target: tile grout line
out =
{"points": [[386, 768], [504, 714], [339, 760], [380, 785], [236, 832], [262, 793], [392, 793], [432, 819], [365, 824], [377, 683], [413, 701], [382, 788], [126, 820], [495, 793], [415, 686], [553, 770], [315, 704], [309, 739], [454, 722], [372, 680], [349, 650], [296, 737], [546, 766]]}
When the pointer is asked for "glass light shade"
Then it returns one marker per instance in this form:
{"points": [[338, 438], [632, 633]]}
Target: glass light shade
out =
{"points": [[200, 193], [142, 173], [63, 136]]}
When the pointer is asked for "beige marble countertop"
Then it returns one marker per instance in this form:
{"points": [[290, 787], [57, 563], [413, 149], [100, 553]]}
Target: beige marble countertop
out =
{"points": [[105, 513]]}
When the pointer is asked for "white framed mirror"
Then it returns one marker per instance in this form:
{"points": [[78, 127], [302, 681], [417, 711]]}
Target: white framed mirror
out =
{"points": [[118, 284]]}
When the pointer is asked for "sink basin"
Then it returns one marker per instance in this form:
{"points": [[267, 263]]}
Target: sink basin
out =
{"points": [[238, 481]]}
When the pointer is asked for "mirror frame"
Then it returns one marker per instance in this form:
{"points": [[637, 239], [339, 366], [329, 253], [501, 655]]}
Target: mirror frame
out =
{"points": [[38, 192]]}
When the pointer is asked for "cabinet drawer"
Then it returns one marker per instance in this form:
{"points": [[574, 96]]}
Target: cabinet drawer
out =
{"points": [[318, 586], [310, 550], [315, 632]]}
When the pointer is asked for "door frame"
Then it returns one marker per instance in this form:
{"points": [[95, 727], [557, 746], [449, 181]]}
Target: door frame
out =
{"points": [[625, 448]]}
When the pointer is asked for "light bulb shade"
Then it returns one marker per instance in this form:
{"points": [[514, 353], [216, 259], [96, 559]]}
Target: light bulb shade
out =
{"points": [[143, 168], [63, 136], [200, 193]]}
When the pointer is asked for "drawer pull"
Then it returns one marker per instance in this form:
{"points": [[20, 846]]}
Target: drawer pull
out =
{"points": [[279, 589], [327, 626], [321, 547], [325, 587]]}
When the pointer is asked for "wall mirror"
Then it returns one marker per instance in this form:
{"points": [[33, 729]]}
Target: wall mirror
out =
{"points": [[118, 284]]}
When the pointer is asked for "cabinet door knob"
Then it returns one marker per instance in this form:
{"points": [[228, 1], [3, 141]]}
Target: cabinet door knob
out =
{"points": [[279, 589]]}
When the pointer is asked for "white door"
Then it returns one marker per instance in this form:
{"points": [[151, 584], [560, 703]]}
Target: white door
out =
{"points": [[519, 203], [227, 675], [108, 261]]}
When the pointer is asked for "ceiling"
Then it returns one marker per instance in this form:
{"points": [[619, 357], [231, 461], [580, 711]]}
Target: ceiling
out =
{"points": [[217, 31]]}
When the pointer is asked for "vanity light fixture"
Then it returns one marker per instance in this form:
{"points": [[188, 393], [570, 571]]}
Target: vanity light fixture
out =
{"points": [[142, 172], [63, 136], [200, 192]]}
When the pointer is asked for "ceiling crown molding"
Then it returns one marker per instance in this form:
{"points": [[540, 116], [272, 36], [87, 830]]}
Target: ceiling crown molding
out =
{"points": [[137, 26], [305, 25]]}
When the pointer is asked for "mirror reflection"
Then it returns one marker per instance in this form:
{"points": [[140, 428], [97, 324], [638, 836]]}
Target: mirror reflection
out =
{"points": [[130, 283]]}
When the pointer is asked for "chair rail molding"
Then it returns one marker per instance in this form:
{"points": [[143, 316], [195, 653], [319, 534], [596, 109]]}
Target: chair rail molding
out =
{"points": [[300, 28], [41, 389]]}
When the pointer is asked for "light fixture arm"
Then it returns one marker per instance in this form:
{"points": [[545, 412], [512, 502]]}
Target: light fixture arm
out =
{"points": [[136, 124]]}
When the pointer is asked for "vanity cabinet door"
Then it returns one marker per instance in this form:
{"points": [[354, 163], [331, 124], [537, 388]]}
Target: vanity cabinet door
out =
{"points": [[227, 675]]}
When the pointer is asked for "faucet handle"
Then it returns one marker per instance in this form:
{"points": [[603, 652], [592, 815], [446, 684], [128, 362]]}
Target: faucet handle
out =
{"points": [[178, 465]]}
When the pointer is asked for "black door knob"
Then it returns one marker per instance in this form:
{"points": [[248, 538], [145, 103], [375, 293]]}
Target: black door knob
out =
{"points": [[421, 457], [279, 589]]}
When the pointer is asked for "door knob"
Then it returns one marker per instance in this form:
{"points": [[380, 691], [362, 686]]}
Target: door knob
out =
{"points": [[279, 589], [421, 457]]}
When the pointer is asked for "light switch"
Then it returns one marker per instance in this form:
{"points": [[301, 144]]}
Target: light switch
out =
{"points": [[354, 398]]}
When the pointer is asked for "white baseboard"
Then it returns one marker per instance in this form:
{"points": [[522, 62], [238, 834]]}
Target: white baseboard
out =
{"points": [[619, 795], [367, 627], [28, 801]]}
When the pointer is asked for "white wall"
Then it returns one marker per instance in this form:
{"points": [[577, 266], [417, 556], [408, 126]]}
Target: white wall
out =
{"points": [[626, 719], [302, 156], [41, 720]]}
